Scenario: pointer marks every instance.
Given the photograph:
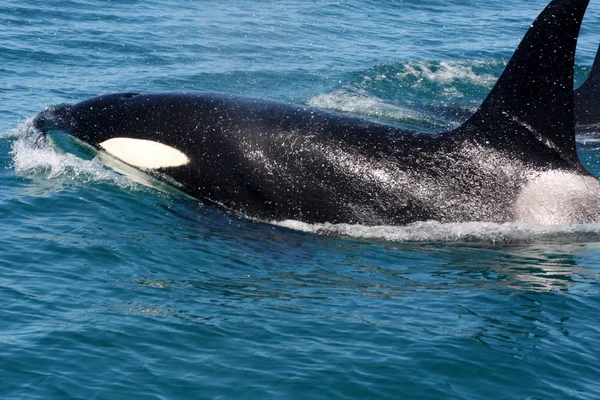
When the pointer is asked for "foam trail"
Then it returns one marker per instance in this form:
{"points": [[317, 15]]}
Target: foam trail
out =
{"points": [[432, 231]]}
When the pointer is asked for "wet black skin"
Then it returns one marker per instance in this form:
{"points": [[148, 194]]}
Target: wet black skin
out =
{"points": [[270, 160], [587, 97]]}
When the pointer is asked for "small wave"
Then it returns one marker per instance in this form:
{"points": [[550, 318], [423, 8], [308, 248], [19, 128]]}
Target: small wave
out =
{"points": [[439, 80], [355, 103], [585, 140], [368, 105], [446, 73], [432, 231], [422, 94], [588, 133]]}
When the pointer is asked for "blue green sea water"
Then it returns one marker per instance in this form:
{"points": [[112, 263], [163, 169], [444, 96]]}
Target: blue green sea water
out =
{"points": [[110, 289]]}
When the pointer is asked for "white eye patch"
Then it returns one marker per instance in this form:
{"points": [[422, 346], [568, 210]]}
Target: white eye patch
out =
{"points": [[144, 153]]}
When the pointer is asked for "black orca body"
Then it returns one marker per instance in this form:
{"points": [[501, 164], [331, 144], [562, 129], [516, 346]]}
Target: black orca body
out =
{"points": [[587, 97], [510, 161]]}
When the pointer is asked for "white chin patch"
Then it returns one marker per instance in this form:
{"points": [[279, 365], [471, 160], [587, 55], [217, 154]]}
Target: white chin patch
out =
{"points": [[144, 153]]}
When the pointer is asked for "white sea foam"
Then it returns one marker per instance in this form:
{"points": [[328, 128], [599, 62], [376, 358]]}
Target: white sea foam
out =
{"points": [[34, 156], [445, 73], [362, 103], [587, 139], [432, 231]]}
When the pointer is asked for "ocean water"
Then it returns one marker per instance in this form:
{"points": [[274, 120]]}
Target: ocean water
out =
{"points": [[112, 289]]}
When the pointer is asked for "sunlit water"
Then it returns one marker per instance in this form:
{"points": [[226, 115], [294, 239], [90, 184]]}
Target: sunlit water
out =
{"points": [[112, 289]]}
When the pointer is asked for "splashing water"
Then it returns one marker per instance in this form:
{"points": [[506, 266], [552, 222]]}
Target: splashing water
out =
{"points": [[34, 156]]}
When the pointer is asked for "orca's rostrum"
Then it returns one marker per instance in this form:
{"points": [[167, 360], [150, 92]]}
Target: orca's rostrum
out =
{"points": [[514, 159]]}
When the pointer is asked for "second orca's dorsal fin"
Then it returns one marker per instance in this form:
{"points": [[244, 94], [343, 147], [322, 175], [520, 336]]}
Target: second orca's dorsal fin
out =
{"points": [[587, 96], [533, 99]]}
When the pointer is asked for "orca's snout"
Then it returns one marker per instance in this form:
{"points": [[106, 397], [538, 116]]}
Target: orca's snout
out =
{"points": [[56, 117]]}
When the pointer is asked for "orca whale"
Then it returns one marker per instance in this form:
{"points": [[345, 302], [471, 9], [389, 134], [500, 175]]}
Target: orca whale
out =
{"points": [[587, 96], [515, 159]]}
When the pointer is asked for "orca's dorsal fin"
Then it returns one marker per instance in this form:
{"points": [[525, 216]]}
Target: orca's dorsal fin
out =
{"points": [[587, 96], [533, 99]]}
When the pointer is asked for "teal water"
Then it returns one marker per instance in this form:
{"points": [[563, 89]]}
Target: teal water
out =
{"points": [[111, 289]]}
